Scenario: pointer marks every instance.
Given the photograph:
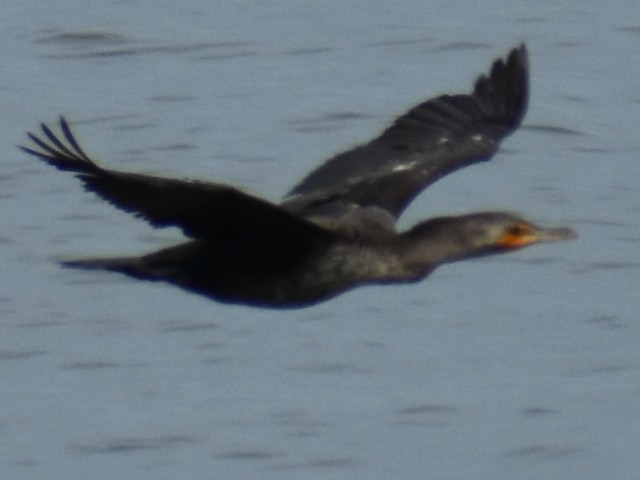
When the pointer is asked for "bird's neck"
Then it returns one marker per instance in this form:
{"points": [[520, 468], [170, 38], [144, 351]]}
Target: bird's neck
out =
{"points": [[435, 242]]}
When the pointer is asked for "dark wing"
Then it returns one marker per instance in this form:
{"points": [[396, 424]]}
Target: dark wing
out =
{"points": [[200, 209], [433, 139]]}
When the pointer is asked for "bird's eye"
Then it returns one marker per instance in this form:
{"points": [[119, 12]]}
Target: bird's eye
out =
{"points": [[519, 230]]}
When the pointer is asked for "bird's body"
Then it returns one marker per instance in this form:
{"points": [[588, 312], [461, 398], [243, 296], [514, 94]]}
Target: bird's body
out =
{"points": [[283, 281], [336, 229]]}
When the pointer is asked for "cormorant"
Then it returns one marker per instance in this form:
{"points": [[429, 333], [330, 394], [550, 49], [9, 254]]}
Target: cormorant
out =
{"points": [[335, 230]]}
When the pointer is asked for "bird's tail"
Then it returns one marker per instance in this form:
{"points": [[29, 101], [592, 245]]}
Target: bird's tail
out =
{"points": [[132, 266]]}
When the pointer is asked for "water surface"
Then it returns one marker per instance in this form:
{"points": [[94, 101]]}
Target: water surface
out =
{"points": [[520, 367]]}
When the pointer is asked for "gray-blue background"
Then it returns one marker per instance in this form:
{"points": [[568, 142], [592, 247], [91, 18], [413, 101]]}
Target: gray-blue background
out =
{"points": [[519, 367]]}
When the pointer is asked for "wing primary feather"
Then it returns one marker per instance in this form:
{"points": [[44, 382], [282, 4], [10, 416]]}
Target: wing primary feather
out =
{"points": [[68, 134], [49, 150], [54, 139], [63, 157]]}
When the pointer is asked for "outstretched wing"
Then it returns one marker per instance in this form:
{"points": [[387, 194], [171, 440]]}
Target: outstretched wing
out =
{"points": [[200, 209], [433, 139]]}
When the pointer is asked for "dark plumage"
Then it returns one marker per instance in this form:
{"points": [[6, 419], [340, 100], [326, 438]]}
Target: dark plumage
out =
{"points": [[336, 229]]}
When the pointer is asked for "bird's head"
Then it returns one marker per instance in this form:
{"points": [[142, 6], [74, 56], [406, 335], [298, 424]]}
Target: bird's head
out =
{"points": [[447, 239], [504, 231]]}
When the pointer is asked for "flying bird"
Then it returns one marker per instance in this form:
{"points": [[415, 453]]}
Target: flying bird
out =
{"points": [[335, 230]]}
